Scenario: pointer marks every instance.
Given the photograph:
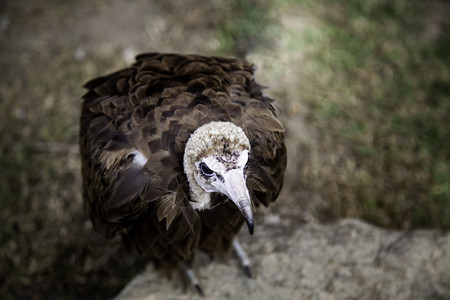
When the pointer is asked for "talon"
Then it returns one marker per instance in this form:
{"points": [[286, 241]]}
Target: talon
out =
{"points": [[199, 290], [248, 271], [192, 279]]}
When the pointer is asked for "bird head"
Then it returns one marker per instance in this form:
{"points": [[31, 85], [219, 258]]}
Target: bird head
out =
{"points": [[215, 158]]}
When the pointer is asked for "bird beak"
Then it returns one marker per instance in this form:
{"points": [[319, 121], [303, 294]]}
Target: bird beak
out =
{"points": [[236, 189]]}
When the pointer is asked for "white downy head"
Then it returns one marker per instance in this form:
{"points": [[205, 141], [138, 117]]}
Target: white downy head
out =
{"points": [[214, 161]]}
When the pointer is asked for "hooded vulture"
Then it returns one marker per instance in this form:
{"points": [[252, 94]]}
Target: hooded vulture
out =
{"points": [[176, 151]]}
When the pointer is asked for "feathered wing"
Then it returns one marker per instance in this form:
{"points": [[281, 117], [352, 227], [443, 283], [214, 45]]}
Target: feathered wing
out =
{"points": [[107, 162], [150, 110], [268, 158], [121, 194]]}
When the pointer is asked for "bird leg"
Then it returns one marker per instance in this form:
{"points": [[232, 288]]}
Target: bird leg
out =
{"points": [[189, 273], [243, 258]]}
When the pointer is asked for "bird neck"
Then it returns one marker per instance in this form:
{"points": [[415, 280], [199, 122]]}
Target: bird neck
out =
{"points": [[200, 200]]}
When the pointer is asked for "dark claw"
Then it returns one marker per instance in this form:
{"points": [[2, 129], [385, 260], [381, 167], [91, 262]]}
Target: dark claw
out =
{"points": [[199, 290], [189, 273], [248, 271]]}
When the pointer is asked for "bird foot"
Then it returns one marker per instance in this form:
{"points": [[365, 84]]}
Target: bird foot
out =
{"points": [[189, 273], [243, 258]]}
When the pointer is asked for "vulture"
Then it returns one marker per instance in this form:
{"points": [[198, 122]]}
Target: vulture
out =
{"points": [[177, 151]]}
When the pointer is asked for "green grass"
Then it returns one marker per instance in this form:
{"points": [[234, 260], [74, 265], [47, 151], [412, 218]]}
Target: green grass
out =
{"points": [[380, 101], [243, 26]]}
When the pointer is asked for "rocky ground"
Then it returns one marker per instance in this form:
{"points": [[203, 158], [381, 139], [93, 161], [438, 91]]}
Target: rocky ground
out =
{"points": [[349, 259]]}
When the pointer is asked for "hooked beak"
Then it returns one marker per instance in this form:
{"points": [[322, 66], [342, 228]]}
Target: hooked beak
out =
{"points": [[236, 189]]}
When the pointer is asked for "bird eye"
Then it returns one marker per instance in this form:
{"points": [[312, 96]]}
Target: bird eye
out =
{"points": [[205, 170]]}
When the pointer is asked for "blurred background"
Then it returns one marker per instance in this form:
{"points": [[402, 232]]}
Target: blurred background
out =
{"points": [[363, 88]]}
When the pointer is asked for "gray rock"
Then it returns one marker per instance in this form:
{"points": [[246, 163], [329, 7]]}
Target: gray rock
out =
{"points": [[348, 259]]}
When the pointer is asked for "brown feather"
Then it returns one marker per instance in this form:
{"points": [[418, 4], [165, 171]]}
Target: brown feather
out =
{"points": [[153, 107]]}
